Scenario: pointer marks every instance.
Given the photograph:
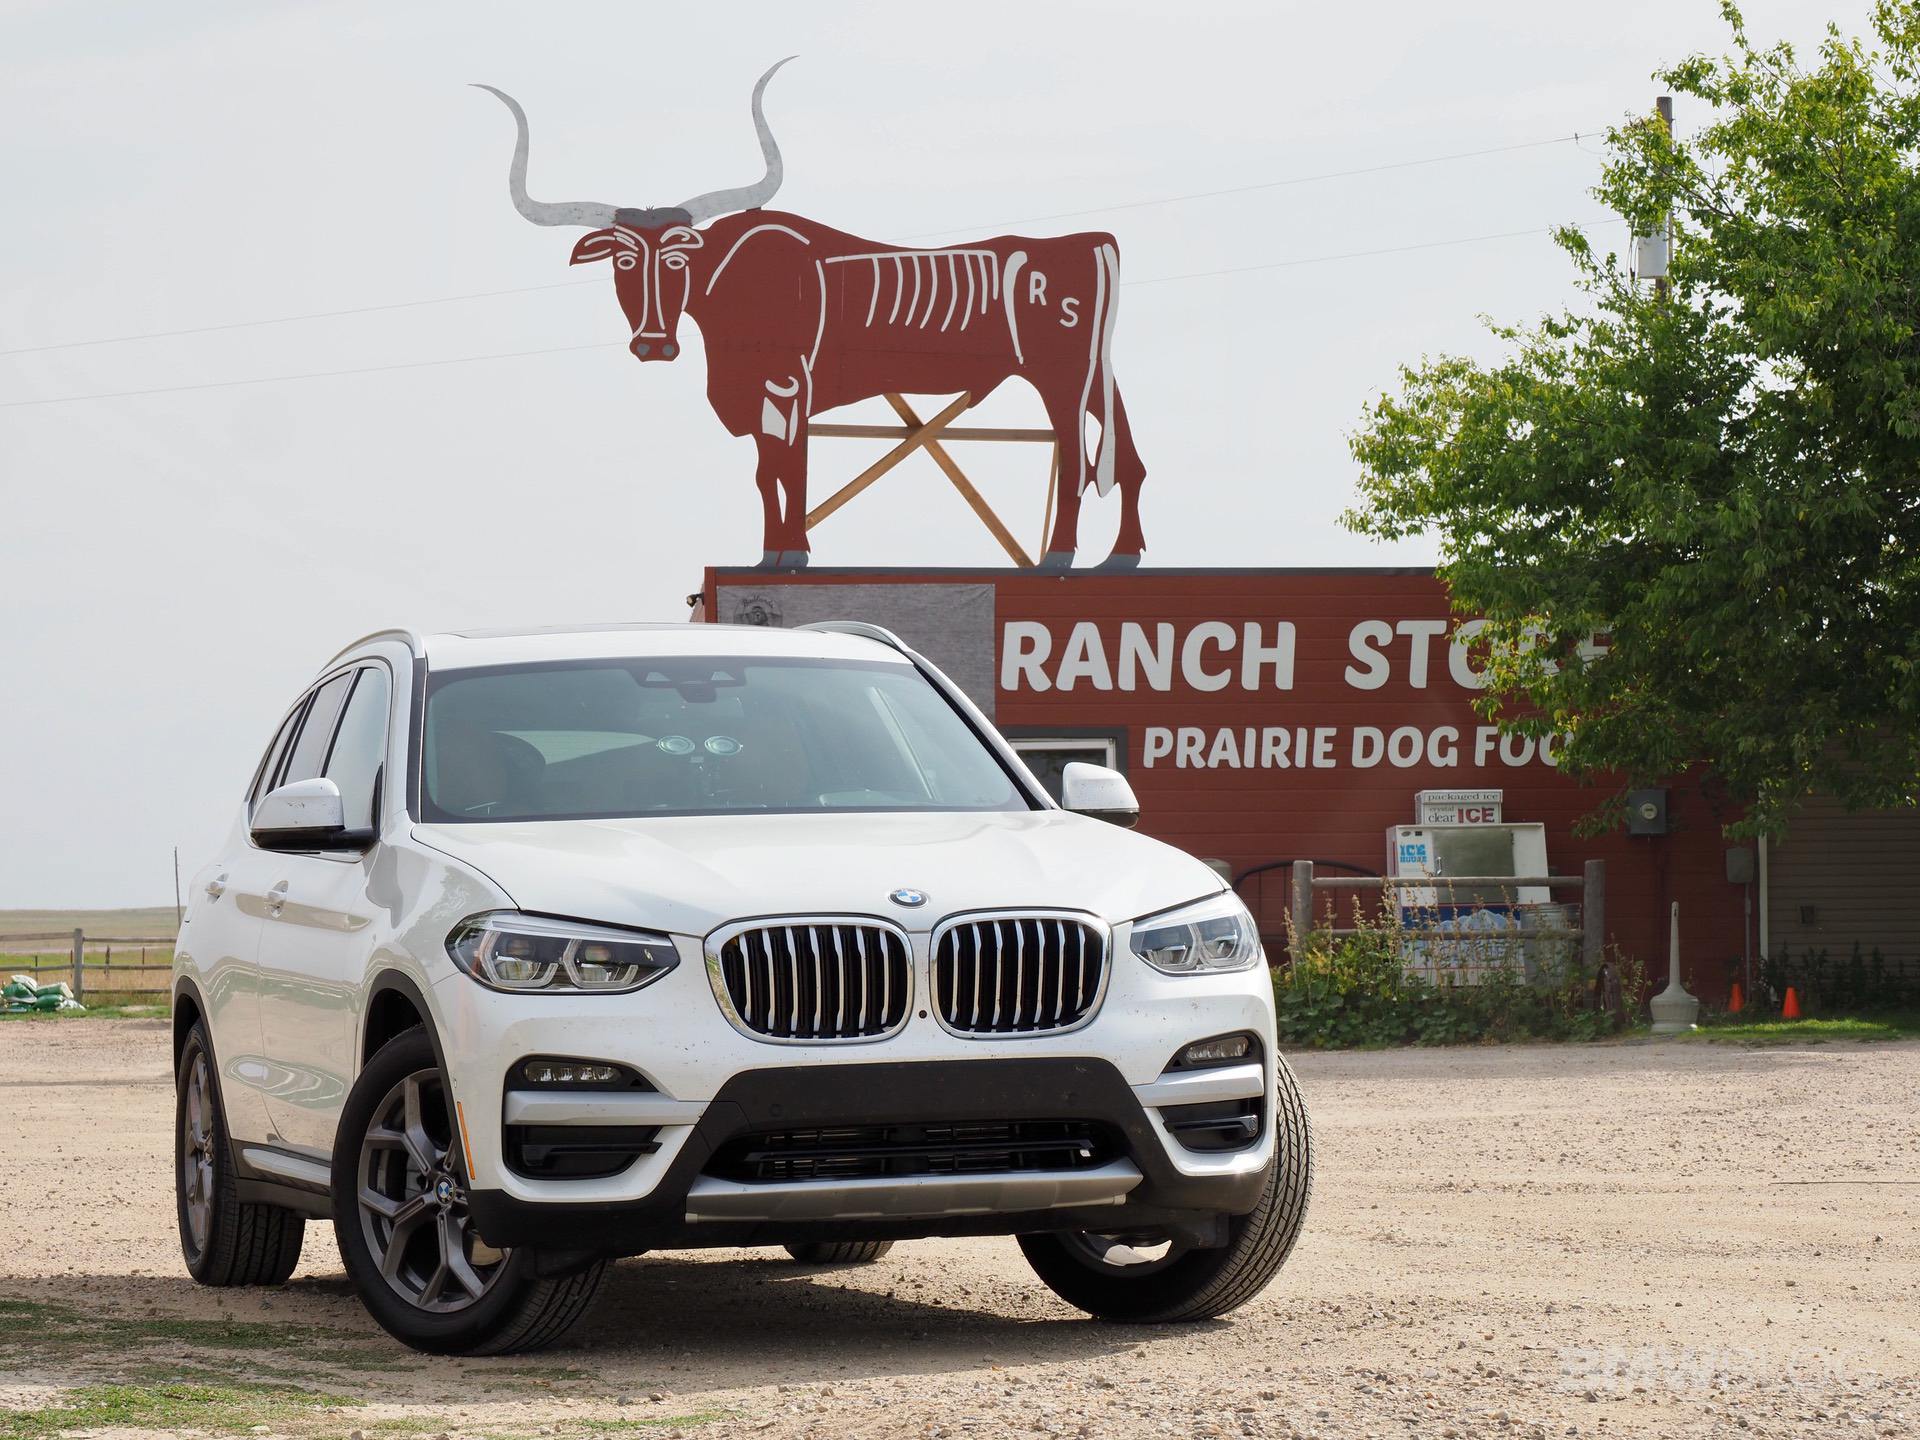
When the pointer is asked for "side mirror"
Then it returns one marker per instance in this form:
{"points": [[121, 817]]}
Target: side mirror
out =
{"points": [[1097, 791], [306, 815]]}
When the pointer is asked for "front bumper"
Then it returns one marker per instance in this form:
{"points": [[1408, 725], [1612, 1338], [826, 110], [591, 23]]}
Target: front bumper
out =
{"points": [[1143, 1188], [713, 1085]]}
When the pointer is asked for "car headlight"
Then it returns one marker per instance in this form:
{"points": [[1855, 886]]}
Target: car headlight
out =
{"points": [[1206, 937], [505, 950]]}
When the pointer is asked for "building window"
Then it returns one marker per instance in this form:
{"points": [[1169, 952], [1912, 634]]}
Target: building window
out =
{"points": [[1048, 756]]}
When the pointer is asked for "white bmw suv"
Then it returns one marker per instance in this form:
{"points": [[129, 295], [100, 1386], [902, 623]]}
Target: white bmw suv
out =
{"points": [[532, 950]]}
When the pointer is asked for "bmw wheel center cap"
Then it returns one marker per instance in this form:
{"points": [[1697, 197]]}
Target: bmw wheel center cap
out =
{"points": [[912, 899]]}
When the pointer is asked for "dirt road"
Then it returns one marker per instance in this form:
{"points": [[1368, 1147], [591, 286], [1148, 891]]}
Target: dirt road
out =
{"points": [[1671, 1239]]}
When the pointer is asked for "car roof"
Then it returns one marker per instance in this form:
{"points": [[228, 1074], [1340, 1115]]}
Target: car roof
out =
{"points": [[469, 649]]}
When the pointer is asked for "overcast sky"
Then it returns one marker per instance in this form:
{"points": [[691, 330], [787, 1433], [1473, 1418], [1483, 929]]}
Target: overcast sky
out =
{"points": [[174, 567]]}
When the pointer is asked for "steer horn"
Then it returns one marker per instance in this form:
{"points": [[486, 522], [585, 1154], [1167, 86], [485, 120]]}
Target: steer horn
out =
{"points": [[589, 213], [747, 197]]}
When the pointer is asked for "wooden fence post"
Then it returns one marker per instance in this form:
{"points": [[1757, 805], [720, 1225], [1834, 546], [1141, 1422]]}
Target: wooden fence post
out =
{"points": [[1302, 904], [1593, 915], [79, 964]]}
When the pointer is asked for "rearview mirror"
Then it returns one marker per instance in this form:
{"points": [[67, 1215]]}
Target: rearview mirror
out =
{"points": [[306, 815], [1097, 791]]}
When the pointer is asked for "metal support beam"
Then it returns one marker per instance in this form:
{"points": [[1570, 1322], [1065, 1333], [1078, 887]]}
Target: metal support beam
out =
{"points": [[887, 461], [965, 486], [834, 430]]}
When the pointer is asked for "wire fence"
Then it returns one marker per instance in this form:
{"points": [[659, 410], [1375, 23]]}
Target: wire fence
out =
{"points": [[1459, 929], [1454, 927]]}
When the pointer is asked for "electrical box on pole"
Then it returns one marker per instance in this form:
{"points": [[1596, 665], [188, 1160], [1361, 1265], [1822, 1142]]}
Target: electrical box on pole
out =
{"points": [[1651, 252]]}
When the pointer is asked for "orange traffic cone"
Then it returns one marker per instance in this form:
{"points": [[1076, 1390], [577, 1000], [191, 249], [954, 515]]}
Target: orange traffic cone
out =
{"points": [[1736, 1002], [1790, 1007]]}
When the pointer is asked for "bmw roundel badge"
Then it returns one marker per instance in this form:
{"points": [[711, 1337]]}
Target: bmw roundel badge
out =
{"points": [[912, 899]]}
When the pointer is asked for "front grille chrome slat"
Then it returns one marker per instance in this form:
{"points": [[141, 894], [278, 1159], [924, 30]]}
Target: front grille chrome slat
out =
{"points": [[860, 940], [1019, 966], [793, 981], [749, 965], [840, 963], [1060, 982], [1018, 974], [973, 1022]]}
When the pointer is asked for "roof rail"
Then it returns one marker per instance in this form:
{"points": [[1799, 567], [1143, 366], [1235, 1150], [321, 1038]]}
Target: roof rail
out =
{"points": [[405, 637], [861, 628]]}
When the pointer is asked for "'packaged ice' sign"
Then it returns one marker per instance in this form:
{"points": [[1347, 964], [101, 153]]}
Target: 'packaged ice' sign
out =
{"points": [[1458, 807]]}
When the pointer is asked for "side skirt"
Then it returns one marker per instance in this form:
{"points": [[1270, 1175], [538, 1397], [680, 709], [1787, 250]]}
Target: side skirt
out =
{"points": [[264, 1175]]}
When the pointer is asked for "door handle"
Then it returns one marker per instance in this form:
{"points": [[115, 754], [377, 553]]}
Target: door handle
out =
{"points": [[277, 899], [216, 887]]}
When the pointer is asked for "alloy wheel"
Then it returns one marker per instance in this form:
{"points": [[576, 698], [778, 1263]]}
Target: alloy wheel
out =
{"points": [[412, 1202], [196, 1154]]}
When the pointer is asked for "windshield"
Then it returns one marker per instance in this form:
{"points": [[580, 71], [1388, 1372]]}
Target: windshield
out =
{"points": [[586, 739]]}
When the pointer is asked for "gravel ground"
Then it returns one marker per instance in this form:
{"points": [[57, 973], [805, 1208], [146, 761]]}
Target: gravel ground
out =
{"points": [[1672, 1239]]}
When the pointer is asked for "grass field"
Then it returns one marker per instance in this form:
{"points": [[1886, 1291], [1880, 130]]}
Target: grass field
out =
{"points": [[1811, 1028], [99, 924]]}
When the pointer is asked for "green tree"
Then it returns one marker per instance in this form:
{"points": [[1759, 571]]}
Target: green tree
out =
{"points": [[1720, 481]]}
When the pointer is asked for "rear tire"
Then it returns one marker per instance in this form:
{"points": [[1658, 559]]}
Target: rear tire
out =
{"points": [[840, 1252], [224, 1240], [1192, 1284], [400, 1215]]}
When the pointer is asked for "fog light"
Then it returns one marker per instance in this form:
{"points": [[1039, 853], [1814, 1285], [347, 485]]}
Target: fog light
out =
{"points": [[1218, 1051], [573, 1072]]}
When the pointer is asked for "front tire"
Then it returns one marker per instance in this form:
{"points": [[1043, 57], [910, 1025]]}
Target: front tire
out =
{"points": [[840, 1252], [400, 1215], [225, 1240], [1144, 1279]]}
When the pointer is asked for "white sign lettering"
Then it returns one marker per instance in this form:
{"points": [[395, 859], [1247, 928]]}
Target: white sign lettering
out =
{"points": [[1211, 656], [1323, 747], [1250, 655], [1458, 807]]}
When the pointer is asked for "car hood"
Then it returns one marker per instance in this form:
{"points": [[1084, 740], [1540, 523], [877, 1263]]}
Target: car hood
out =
{"points": [[690, 874]]}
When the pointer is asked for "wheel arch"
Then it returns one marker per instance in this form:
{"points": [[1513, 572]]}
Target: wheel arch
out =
{"points": [[189, 1009], [395, 1005]]}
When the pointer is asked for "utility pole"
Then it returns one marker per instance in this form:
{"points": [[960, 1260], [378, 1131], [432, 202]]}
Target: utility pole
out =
{"points": [[1650, 252], [1673, 1009], [1664, 105]]}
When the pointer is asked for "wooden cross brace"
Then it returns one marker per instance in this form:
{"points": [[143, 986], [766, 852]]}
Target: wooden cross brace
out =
{"points": [[917, 434]]}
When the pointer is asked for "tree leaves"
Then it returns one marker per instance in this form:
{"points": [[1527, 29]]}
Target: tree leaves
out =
{"points": [[1724, 480]]}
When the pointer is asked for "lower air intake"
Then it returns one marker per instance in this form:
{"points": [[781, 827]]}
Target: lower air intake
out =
{"points": [[872, 1152]]}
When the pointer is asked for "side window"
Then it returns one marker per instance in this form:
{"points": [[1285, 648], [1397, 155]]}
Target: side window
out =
{"points": [[360, 748], [270, 763], [309, 750]]}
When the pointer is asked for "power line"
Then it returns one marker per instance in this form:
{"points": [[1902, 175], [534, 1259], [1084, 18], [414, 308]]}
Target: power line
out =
{"points": [[310, 375], [604, 344], [1361, 254], [1573, 139], [291, 319]]}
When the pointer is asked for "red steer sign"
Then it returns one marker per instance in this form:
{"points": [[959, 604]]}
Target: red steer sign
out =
{"points": [[799, 318]]}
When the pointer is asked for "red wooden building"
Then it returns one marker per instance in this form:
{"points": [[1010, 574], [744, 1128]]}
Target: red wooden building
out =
{"points": [[1269, 715]]}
